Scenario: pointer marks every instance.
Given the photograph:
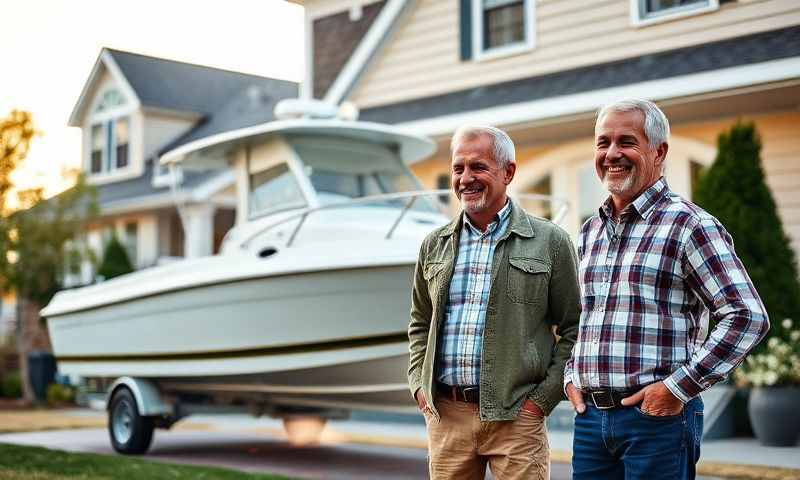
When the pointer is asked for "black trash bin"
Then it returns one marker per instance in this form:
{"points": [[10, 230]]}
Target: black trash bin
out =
{"points": [[41, 372]]}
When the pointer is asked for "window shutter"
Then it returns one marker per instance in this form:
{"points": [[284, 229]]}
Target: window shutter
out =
{"points": [[466, 29]]}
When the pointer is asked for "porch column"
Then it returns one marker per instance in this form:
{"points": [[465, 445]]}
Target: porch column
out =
{"points": [[198, 239]]}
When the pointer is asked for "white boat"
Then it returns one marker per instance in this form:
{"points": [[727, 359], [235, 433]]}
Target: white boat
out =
{"points": [[305, 309]]}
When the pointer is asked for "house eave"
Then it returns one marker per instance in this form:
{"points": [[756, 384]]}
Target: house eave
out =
{"points": [[588, 102]]}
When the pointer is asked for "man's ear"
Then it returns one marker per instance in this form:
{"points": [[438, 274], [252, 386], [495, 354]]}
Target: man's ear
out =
{"points": [[510, 169], [661, 154]]}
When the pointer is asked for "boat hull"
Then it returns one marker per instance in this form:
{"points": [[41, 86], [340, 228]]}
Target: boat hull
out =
{"points": [[332, 338]]}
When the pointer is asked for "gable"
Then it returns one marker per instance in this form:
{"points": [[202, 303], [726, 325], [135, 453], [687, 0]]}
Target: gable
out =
{"points": [[105, 89]]}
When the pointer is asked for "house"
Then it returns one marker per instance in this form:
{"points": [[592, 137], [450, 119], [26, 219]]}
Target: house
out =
{"points": [[132, 109], [540, 69]]}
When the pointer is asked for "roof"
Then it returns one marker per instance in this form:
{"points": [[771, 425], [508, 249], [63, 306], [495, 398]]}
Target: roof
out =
{"points": [[335, 39], [186, 87], [142, 186], [224, 100], [745, 50]]}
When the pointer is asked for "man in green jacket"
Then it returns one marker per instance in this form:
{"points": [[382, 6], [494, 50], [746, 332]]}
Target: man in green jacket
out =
{"points": [[494, 315]]}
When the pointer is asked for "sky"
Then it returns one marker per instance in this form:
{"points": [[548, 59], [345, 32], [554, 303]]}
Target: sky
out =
{"points": [[48, 49]]}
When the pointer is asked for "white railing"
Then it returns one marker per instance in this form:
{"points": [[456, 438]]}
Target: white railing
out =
{"points": [[410, 197]]}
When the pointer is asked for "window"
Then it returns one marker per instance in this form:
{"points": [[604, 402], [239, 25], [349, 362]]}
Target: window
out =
{"points": [[110, 145], [503, 23], [541, 208], [121, 142], [592, 194], [491, 28], [111, 99], [97, 149], [273, 189], [131, 240], [696, 171], [644, 12], [443, 183]]}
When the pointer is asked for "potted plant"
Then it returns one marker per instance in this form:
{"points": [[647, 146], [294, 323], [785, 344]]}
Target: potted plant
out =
{"points": [[774, 375]]}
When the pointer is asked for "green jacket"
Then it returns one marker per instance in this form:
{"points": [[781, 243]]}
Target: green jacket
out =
{"points": [[534, 288]]}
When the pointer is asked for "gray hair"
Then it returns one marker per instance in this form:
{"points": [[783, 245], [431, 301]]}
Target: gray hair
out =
{"points": [[656, 125], [502, 145]]}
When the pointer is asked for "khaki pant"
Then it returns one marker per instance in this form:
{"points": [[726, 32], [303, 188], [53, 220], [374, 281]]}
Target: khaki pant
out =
{"points": [[460, 445]]}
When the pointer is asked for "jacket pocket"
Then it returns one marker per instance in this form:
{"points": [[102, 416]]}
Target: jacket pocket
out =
{"points": [[431, 275], [528, 279]]}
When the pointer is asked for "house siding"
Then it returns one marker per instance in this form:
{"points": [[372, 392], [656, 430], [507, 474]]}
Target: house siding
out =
{"points": [[162, 129], [422, 58]]}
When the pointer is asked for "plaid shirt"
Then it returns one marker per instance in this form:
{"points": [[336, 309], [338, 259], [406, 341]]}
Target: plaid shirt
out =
{"points": [[462, 332], [648, 286]]}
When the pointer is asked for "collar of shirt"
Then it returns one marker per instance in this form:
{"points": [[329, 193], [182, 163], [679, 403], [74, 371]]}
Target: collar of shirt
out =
{"points": [[499, 219], [643, 204]]}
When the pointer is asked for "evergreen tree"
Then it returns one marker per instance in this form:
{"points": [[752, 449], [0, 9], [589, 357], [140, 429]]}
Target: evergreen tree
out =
{"points": [[115, 260], [734, 191]]}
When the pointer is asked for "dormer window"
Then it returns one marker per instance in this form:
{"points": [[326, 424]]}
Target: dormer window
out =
{"points": [[110, 133], [110, 145]]}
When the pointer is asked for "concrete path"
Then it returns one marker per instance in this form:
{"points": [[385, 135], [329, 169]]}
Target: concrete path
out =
{"points": [[363, 448]]}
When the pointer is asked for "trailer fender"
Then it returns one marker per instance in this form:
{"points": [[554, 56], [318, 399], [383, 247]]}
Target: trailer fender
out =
{"points": [[148, 398]]}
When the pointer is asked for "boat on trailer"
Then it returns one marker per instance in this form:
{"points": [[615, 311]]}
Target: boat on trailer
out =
{"points": [[304, 311]]}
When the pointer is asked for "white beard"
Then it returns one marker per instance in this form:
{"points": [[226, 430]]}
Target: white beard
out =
{"points": [[620, 187], [474, 206]]}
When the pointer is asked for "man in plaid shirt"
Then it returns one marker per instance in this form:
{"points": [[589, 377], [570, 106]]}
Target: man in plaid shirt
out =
{"points": [[653, 269]]}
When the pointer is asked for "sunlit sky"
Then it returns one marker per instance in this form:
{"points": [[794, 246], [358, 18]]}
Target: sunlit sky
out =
{"points": [[48, 49]]}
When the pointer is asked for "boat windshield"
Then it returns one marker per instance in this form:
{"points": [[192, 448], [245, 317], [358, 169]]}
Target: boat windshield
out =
{"points": [[274, 189], [340, 171]]}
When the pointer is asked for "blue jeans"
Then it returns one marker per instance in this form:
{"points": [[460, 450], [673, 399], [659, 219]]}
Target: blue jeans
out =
{"points": [[625, 443]]}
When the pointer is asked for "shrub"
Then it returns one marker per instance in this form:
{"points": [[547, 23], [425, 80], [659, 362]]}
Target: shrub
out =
{"points": [[115, 260], [733, 190], [11, 386], [58, 394]]}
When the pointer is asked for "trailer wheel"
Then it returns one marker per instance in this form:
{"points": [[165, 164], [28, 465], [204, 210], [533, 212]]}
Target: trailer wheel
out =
{"points": [[131, 433]]}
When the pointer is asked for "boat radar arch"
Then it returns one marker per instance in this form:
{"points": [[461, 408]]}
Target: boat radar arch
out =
{"points": [[211, 152], [308, 108]]}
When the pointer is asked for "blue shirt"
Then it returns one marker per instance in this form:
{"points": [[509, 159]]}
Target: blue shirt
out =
{"points": [[465, 317]]}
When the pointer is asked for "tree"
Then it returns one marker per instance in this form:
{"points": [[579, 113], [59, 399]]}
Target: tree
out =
{"points": [[734, 191], [115, 260], [35, 238]]}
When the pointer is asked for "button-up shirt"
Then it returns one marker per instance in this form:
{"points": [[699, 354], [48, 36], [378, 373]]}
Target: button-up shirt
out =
{"points": [[462, 332], [649, 284]]}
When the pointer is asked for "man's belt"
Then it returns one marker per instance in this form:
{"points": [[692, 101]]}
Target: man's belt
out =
{"points": [[606, 398], [469, 394]]}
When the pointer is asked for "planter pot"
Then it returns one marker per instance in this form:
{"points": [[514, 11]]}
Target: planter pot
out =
{"points": [[773, 414]]}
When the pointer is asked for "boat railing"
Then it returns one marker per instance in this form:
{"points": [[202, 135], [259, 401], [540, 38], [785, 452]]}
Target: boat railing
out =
{"points": [[410, 197]]}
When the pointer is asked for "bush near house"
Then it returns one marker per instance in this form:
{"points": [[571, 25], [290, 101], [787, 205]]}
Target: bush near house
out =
{"points": [[11, 385], [115, 260], [734, 190], [59, 395]]}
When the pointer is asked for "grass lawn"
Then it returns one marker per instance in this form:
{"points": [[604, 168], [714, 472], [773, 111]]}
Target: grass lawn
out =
{"points": [[35, 463]]}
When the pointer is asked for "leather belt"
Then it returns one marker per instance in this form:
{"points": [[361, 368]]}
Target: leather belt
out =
{"points": [[607, 398], [459, 394]]}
